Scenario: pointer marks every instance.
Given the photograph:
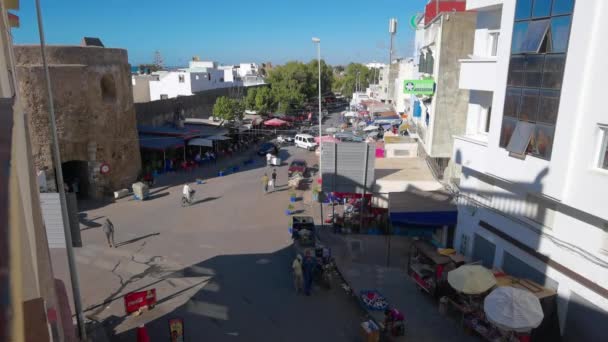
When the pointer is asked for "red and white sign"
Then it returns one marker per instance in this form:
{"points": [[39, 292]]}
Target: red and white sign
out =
{"points": [[104, 168], [135, 301]]}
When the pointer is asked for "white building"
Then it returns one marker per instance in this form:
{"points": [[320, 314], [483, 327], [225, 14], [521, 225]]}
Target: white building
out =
{"points": [[199, 76], [375, 65], [534, 158], [407, 70], [248, 69], [440, 113]]}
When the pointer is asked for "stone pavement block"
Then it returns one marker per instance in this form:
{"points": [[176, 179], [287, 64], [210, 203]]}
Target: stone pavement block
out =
{"points": [[135, 268]]}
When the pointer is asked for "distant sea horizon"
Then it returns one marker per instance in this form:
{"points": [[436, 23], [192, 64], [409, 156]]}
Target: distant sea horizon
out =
{"points": [[135, 68]]}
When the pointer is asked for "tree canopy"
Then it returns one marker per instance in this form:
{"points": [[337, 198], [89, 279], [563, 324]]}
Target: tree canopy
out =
{"points": [[295, 83], [260, 99], [227, 108], [346, 84]]}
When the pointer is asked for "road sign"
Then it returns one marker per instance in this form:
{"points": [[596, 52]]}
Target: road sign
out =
{"points": [[419, 87]]}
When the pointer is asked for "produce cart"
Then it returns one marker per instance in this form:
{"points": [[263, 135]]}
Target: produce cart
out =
{"points": [[428, 268]]}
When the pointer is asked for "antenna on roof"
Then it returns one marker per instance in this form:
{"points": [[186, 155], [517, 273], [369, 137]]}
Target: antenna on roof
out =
{"points": [[158, 59]]}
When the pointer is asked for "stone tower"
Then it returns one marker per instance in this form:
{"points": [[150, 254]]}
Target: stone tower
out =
{"points": [[96, 121]]}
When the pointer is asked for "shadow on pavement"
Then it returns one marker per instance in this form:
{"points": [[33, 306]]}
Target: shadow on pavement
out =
{"points": [[89, 223], [248, 295], [158, 195], [208, 199], [120, 244]]}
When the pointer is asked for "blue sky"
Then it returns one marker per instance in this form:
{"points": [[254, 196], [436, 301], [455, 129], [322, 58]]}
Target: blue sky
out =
{"points": [[227, 31]]}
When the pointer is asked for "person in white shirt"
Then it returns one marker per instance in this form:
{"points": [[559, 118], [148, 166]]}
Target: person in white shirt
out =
{"points": [[188, 192], [268, 158]]}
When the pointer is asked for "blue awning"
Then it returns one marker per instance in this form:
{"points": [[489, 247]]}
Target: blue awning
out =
{"points": [[432, 218], [159, 142], [422, 208]]}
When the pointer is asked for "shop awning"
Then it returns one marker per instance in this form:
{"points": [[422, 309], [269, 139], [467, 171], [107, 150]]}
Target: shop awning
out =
{"points": [[171, 131], [218, 137], [422, 208], [159, 142], [200, 142]]}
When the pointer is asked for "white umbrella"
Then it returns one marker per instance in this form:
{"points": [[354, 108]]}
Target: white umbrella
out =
{"points": [[371, 128], [361, 124], [331, 130], [350, 114], [471, 279], [513, 309]]}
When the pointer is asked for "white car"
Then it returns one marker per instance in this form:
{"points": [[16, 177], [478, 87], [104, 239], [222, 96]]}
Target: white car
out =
{"points": [[282, 139], [306, 141]]}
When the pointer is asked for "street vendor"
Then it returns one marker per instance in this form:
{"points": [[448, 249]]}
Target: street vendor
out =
{"points": [[394, 322]]}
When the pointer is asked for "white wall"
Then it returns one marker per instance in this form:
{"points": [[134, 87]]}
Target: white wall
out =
{"points": [[479, 102], [408, 70], [248, 69], [168, 84]]}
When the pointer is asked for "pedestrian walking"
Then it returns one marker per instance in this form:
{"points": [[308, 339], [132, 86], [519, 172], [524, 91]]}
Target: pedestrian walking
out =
{"points": [[308, 267], [265, 181], [108, 229], [298, 276], [268, 158], [274, 178]]}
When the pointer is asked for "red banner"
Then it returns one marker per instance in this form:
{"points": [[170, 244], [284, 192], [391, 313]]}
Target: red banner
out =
{"points": [[137, 300]]}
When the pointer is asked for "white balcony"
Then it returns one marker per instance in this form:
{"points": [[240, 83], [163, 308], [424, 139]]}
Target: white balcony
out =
{"points": [[482, 4], [470, 152], [478, 74]]}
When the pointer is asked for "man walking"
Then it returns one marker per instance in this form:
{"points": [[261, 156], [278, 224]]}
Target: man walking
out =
{"points": [[298, 276], [308, 267], [265, 182], [108, 229], [274, 179]]}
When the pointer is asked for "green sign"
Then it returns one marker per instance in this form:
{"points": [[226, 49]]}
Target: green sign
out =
{"points": [[419, 87]]}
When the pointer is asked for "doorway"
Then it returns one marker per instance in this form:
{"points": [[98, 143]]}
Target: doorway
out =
{"points": [[76, 177]]}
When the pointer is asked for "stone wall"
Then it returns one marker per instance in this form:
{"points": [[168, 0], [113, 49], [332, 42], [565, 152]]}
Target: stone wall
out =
{"points": [[199, 105], [94, 109]]}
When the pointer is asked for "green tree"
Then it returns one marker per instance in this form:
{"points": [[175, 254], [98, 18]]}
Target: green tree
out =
{"points": [[327, 77], [227, 108], [250, 98], [264, 100], [347, 83]]}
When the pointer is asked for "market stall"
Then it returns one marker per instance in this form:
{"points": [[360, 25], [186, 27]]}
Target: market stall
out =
{"points": [[428, 267], [499, 307]]}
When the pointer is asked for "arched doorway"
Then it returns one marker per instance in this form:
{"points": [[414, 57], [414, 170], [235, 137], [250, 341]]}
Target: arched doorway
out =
{"points": [[76, 177]]}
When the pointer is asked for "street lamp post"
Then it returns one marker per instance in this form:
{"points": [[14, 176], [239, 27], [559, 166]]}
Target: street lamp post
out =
{"points": [[317, 41]]}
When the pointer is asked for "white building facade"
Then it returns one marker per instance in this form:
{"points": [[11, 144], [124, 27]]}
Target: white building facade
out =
{"points": [[534, 156], [200, 76]]}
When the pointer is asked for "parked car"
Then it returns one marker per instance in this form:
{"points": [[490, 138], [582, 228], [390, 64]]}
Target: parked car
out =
{"points": [[306, 141], [285, 139], [268, 148], [298, 165]]}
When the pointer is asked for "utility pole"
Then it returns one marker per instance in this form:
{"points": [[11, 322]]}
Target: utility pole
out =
{"points": [[318, 42], [59, 176], [392, 29]]}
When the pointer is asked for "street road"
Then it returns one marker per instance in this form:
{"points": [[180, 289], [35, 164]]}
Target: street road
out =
{"points": [[223, 264]]}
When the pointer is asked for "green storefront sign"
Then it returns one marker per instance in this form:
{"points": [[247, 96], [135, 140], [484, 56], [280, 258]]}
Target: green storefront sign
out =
{"points": [[419, 87]]}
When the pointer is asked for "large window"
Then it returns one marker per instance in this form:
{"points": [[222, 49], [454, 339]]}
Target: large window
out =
{"points": [[536, 71], [603, 157]]}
